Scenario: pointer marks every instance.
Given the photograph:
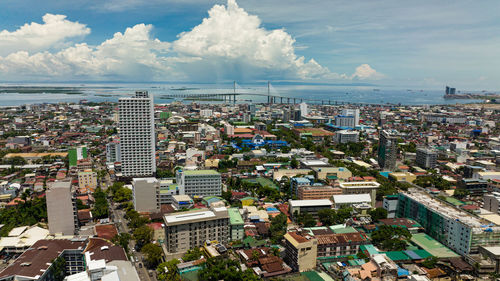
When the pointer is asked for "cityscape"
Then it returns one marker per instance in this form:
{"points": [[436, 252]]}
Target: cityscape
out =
{"points": [[252, 160]]}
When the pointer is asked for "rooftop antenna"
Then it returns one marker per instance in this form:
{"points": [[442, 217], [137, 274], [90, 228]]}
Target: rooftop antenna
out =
{"points": [[268, 91]]}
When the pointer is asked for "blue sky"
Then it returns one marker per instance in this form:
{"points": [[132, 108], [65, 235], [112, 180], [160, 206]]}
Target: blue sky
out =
{"points": [[423, 44]]}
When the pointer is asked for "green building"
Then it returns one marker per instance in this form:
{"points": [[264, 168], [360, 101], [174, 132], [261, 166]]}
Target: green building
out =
{"points": [[236, 224]]}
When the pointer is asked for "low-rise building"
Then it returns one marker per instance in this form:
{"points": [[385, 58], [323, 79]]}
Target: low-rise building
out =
{"points": [[361, 187], [308, 206], [333, 173], [300, 252], [403, 176], [187, 230], [350, 200], [87, 179], [182, 202], [317, 192]]}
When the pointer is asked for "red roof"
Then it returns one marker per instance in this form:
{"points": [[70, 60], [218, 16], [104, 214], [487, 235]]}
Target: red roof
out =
{"points": [[106, 231]]}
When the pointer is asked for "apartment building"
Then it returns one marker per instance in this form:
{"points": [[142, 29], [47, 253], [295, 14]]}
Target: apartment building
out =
{"points": [[300, 251], [460, 231], [87, 179], [146, 194], [61, 208], [137, 135], [361, 187], [199, 183], [236, 224], [187, 230]]}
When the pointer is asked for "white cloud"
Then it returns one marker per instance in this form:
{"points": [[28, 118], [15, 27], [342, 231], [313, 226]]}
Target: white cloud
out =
{"points": [[228, 44], [54, 30], [365, 72]]}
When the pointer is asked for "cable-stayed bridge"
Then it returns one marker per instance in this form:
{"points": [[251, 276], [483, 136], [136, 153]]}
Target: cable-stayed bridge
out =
{"points": [[229, 95]]}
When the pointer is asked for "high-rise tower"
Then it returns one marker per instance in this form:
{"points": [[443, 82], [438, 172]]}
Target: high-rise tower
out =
{"points": [[137, 135]]}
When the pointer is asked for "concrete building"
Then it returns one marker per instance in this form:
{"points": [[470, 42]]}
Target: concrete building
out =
{"points": [[403, 176], [303, 109], [87, 179], [455, 228], [390, 203], [146, 194], [61, 208], [187, 230], [300, 252], [199, 183], [309, 206], [361, 187], [332, 173], [387, 151], [346, 136], [352, 200], [113, 153], [236, 224], [348, 118], [426, 158], [137, 135], [317, 192], [296, 183], [474, 186], [492, 202], [182, 201]]}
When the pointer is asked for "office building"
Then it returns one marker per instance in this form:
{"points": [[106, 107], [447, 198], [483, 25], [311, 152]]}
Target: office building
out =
{"points": [[312, 207], [300, 251], [113, 153], [387, 151], [187, 230], [346, 136], [146, 194], [137, 135], [426, 158], [61, 208], [332, 173], [87, 179], [199, 183], [236, 224], [361, 187], [458, 230]]}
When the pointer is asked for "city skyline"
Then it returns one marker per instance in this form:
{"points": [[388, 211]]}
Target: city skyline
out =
{"points": [[421, 44]]}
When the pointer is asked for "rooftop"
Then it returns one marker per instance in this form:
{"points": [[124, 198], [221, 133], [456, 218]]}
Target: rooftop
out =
{"points": [[307, 203], [200, 172], [234, 216], [351, 198], [195, 216]]}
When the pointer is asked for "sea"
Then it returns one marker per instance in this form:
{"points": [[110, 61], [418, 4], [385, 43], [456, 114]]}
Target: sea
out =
{"points": [[162, 93]]}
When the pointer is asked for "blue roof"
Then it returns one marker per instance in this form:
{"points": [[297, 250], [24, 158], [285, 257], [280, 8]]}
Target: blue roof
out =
{"points": [[412, 255], [301, 180], [403, 272], [384, 174]]}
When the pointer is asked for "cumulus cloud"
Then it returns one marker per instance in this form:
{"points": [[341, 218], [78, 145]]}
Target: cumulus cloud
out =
{"points": [[365, 71], [228, 44], [54, 30]]}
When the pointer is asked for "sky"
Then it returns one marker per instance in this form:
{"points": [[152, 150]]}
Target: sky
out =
{"points": [[408, 44]]}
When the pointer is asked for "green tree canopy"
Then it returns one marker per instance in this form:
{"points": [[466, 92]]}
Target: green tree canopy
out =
{"points": [[391, 238]]}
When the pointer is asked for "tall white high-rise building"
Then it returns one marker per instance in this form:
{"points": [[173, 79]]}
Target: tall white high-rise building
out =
{"points": [[137, 135], [303, 109]]}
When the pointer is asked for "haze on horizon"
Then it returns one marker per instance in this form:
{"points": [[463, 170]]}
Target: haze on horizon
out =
{"points": [[424, 44]]}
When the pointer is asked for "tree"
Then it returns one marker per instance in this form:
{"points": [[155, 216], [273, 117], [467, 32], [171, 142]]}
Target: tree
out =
{"points": [[167, 271], [123, 194], [391, 238], [225, 269], [80, 205], [101, 207], [143, 235], [255, 255], [294, 163], [327, 216], [275, 251], [430, 262], [307, 220], [378, 214], [153, 254], [193, 254], [460, 193], [122, 239], [58, 268], [278, 227]]}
